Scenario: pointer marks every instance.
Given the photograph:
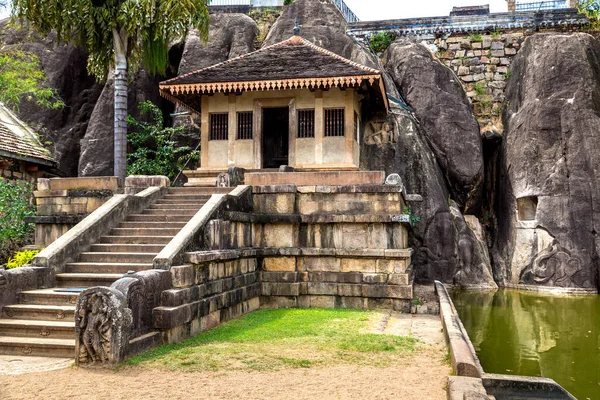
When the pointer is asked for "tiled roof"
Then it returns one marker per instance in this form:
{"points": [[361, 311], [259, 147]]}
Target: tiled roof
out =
{"points": [[295, 58], [18, 141]]}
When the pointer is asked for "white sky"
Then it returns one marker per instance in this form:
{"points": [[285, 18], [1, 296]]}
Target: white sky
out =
{"points": [[368, 10]]}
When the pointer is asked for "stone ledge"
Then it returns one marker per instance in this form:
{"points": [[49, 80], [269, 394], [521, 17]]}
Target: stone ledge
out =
{"points": [[225, 255], [288, 188], [56, 219], [272, 218]]}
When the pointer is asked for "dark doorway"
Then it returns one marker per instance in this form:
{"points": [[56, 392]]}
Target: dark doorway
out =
{"points": [[275, 143]]}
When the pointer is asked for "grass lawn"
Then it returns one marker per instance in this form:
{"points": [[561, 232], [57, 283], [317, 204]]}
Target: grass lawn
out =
{"points": [[284, 338]]}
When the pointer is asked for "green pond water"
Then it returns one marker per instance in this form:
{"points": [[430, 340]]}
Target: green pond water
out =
{"points": [[536, 334]]}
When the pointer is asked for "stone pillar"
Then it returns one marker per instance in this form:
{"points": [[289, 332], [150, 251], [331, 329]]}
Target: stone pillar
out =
{"points": [[512, 6], [204, 125], [349, 126], [319, 127], [231, 136]]}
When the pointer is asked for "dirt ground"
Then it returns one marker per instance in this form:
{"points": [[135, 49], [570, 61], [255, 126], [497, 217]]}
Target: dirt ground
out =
{"points": [[421, 375]]}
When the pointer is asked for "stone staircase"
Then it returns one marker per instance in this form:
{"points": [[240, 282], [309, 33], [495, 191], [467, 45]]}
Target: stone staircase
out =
{"points": [[42, 322]]}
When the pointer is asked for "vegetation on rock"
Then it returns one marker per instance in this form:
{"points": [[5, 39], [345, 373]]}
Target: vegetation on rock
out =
{"points": [[119, 34], [15, 205], [381, 41], [153, 150]]}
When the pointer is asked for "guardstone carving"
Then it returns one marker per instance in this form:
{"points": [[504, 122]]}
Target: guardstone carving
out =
{"points": [[102, 326]]}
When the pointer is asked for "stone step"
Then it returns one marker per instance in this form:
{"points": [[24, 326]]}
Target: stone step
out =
{"points": [[126, 248], [166, 202], [47, 297], [144, 231], [145, 224], [169, 211], [199, 190], [45, 312], [84, 280], [175, 206], [158, 218], [124, 239], [37, 328], [24, 346], [106, 267], [186, 197], [114, 257]]}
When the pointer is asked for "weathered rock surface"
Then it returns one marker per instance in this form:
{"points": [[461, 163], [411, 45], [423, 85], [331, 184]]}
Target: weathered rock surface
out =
{"points": [[322, 24], [446, 248], [96, 157], [230, 36], [549, 198], [445, 115], [65, 68]]}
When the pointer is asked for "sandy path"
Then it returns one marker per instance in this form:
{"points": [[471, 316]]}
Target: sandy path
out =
{"points": [[423, 377], [420, 375]]}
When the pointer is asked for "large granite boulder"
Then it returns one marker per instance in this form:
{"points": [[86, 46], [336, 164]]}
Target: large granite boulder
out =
{"points": [[447, 246], [322, 24], [96, 155], [229, 36], [549, 197], [446, 117], [65, 68]]}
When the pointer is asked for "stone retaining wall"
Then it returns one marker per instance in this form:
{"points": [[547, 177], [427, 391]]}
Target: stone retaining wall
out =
{"points": [[218, 287]]}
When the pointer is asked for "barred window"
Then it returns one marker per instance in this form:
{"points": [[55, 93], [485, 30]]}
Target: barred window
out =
{"points": [[334, 122], [356, 126], [218, 126], [306, 123], [244, 125]]}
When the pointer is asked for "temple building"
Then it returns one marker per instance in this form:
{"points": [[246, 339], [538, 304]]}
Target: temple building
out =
{"points": [[292, 103]]}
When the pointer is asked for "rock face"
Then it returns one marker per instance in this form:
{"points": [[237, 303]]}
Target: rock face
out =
{"points": [[446, 117], [446, 247], [96, 157], [322, 24], [65, 68], [549, 198]]}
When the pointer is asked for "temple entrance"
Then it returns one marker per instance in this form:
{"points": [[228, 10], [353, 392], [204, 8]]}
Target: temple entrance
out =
{"points": [[275, 145]]}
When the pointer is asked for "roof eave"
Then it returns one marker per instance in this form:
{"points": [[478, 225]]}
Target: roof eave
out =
{"points": [[33, 160]]}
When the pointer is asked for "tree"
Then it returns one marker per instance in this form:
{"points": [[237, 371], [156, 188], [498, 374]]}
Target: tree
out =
{"points": [[22, 78], [153, 151], [118, 34]]}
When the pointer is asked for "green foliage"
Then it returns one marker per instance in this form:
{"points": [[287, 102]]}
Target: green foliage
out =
{"points": [[273, 339], [145, 27], [154, 153], [496, 35], [15, 205], [22, 78], [381, 41], [476, 37], [412, 218], [507, 74], [591, 8], [479, 88], [287, 2], [21, 258]]}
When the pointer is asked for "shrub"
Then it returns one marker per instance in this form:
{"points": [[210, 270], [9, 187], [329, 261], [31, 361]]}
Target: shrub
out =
{"points": [[287, 2], [154, 153], [476, 37], [479, 89], [21, 258], [381, 41], [15, 204]]}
